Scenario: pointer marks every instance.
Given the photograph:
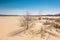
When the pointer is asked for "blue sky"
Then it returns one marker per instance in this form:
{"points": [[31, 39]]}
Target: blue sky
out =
{"points": [[19, 7]]}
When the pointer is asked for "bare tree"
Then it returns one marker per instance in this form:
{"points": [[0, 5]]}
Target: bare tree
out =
{"points": [[24, 24]]}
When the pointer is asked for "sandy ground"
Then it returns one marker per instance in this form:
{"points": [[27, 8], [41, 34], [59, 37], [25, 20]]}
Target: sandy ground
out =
{"points": [[11, 24]]}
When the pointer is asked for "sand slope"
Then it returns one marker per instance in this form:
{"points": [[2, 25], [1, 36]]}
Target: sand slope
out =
{"points": [[11, 24]]}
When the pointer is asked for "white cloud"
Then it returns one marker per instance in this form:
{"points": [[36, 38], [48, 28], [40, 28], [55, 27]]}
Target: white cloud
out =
{"points": [[23, 12]]}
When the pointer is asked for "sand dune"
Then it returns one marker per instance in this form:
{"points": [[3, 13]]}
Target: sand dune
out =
{"points": [[29, 28]]}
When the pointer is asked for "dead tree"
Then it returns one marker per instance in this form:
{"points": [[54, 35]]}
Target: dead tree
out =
{"points": [[24, 24]]}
